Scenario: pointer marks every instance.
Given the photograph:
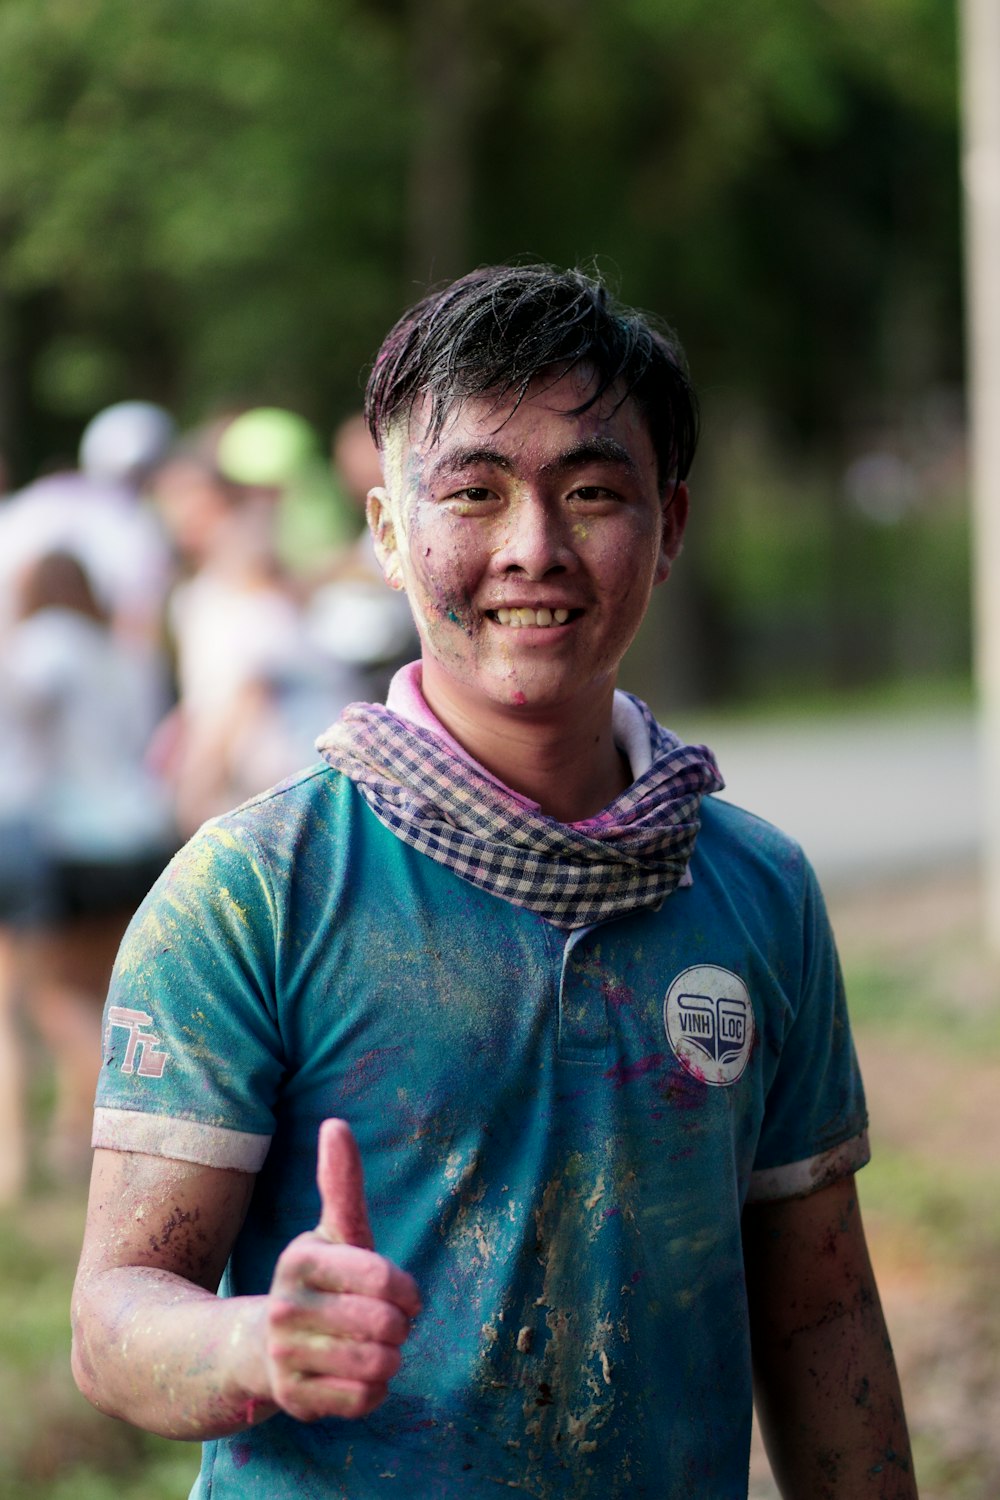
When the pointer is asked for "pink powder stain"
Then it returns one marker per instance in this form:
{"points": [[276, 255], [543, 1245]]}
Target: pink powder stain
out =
{"points": [[596, 822], [623, 1073], [618, 996], [368, 1068], [684, 1090], [241, 1454]]}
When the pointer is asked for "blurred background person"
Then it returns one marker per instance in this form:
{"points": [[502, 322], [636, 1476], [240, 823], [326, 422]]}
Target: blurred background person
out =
{"points": [[361, 628], [85, 829], [96, 513], [252, 692], [354, 617], [276, 451]]}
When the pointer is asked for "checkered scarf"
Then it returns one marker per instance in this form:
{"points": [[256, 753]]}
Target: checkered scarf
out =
{"points": [[630, 855]]}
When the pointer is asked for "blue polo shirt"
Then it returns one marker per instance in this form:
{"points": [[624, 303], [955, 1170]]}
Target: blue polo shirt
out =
{"points": [[559, 1132]]}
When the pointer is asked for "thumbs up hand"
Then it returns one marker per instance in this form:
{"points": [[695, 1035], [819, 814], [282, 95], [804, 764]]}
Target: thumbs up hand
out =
{"points": [[337, 1312]]}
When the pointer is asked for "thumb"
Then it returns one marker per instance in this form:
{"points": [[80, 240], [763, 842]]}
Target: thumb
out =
{"points": [[343, 1211]]}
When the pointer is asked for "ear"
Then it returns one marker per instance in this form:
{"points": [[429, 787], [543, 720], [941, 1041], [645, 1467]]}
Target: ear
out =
{"points": [[380, 523], [676, 505]]}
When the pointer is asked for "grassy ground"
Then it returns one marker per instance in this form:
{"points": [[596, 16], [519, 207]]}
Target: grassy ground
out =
{"points": [[927, 1022], [52, 1444]]}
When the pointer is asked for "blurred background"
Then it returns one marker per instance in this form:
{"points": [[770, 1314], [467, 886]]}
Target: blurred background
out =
{"points": [[209, 217], [214, 206]]}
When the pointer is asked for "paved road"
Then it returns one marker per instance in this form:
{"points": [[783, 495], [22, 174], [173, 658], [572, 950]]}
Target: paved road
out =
{"points": [[867, 796]]}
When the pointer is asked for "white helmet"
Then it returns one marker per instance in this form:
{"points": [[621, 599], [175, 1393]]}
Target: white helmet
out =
{"points": [[125, 440]]}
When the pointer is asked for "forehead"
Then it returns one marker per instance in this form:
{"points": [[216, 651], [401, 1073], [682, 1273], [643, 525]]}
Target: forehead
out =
{"points": [[539, 428]]}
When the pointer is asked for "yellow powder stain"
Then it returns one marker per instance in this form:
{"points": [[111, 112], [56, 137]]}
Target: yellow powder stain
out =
{"points": [[575, 1363], [466, 1232], [576, 1427], [238, 909], [453, 1166], [597, 1194]]}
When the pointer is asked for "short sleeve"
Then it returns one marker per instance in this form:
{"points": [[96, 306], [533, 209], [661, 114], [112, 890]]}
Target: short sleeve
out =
{"points": [[815, 1122], [192, 1050]]}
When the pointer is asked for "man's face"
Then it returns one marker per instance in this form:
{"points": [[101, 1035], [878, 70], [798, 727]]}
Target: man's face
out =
{"points": [[528, 543]]}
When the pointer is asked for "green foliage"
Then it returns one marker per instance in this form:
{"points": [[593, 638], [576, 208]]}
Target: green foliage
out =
{"points": [[232, 177], [206, 203], [946, 1210], [193, 172]]}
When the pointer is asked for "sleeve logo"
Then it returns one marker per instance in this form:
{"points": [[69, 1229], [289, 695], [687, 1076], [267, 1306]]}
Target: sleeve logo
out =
{"points": [[709, 1020], [142, 1044]]}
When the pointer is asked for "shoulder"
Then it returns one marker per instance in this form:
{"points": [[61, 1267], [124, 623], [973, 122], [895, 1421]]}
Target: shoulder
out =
{"points": [[311, 829], [742, 845], [233, 885], [276, 824], [746, 866]]}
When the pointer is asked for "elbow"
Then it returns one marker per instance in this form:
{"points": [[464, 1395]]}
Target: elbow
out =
{"points": [[83, 1373], [82, 1365], [83, 1368]]}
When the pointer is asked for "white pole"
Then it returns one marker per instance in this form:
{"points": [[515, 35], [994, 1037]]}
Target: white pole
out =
{"points": [[981, 173]]}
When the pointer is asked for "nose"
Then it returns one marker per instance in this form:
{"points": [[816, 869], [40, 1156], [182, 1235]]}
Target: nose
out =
{"points": [[539, 541]]}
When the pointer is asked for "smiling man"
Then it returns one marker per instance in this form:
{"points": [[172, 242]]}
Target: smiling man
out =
{"points": [[582, 1024]]}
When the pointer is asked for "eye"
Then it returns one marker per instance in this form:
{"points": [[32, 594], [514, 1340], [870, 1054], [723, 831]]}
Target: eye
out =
{"points": [[594, 494], [472, 492], [471, 500]]}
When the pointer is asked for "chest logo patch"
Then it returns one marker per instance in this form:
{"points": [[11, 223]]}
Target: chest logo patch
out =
{"points": [[708, 1015]]}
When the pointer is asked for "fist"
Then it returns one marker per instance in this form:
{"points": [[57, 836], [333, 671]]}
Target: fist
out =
{"points": [[337, 1313]]}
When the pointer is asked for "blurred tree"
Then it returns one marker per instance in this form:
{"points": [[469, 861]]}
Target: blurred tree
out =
{"points": [[202, 198], [209, 202]]}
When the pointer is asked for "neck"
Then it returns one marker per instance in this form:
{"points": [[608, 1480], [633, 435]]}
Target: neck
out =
{"points": [[567, 762]]}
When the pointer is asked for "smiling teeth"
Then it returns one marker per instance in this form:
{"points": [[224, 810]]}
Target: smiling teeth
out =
{"points": [[519, 617]]}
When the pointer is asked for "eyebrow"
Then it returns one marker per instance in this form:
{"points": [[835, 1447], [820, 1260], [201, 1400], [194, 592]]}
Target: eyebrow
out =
{"points": [[470, 458], [591, 450], [603, 450]]}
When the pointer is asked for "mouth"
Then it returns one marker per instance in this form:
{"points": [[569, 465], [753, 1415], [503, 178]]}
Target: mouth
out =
{"points": [[522, 616]]}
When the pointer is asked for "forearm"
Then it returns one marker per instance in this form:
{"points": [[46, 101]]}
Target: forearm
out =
{"points": [[830, 1407], [154, 1345], [168, 1356], [825, 1380]]}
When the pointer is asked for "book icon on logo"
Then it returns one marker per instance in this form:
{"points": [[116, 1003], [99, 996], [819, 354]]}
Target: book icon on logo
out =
{"points": [[716, 1025], [709, 1021]]}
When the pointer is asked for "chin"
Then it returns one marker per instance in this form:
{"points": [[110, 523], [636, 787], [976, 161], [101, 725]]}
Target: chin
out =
{"points": [[536, 696]]}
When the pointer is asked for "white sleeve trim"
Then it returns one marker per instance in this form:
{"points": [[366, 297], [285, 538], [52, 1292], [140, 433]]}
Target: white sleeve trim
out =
{"points": [[183, 1140], [799, 1178]]}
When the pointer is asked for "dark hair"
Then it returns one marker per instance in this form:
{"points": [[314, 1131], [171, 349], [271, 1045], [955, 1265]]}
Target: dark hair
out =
{"points": [[494, 331], [57, 580]]}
